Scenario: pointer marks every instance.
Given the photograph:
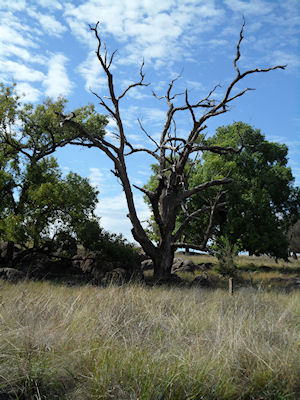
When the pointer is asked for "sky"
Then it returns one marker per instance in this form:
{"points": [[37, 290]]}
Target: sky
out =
{"points": [[48, 50]]}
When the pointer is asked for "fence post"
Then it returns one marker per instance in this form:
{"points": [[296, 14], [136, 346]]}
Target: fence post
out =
{"points": [[230, 286]]}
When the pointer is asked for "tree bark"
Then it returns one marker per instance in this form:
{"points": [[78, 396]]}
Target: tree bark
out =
{"points": [[163, 262]]}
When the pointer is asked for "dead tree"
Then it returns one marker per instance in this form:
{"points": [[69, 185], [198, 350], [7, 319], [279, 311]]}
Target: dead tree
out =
{"points": [[172, 153]]}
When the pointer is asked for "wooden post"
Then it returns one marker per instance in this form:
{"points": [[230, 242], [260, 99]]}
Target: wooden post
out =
{"points": [[230, 286]]}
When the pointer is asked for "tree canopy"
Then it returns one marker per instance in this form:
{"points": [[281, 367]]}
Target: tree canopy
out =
{"points": [[37, 202], [256, 209]]}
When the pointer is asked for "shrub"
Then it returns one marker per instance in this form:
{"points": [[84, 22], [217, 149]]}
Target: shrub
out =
{"points": [[225, 252]]}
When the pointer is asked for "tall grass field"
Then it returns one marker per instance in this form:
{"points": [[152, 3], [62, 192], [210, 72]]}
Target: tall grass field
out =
{"points": [[139, 343]]}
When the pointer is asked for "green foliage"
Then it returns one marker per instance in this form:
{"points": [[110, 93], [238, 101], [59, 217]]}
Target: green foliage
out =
{"points": [[109, 247], [225, 252], [261, 201], [37, 131], [42, 203], [37, 201]]}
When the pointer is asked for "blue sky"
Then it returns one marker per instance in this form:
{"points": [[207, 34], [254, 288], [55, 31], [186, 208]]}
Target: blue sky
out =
{"points": [[46, 47]]}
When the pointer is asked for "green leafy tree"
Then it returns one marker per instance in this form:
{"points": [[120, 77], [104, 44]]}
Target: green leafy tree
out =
{"points": [[261, 202], [37, 202], [40, 204]]}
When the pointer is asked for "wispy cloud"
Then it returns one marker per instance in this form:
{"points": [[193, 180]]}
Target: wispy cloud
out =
{"points": [[113, 210], [19, 71], [57, 81], [30, 93], [52, 4], [96, 177], [16, 5], [253, 7], [92, 73], [147, 29], [48, 23]]}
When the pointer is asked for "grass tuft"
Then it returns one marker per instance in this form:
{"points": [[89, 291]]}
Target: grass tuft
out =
{"points": [[133, 342]]}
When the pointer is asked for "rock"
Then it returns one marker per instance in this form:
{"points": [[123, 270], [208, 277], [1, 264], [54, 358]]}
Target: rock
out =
{"points": [[11, 274], [116, 276], [180, 265], [36, 262], [207, 265], [41, 266], [146, 265], [67, 248], [87, 264], [77, 261]]}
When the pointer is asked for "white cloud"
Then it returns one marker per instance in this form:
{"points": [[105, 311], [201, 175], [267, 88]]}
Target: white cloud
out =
{"points": [[57, 81], [48, 23], [96, 177], [152, 30], [11, 35], [81, 31], [280, 57], [30, 93], [8, 50], [20, 72], [253, 7], [49, 4], [16, 5], [92, 73], [113, 213]]}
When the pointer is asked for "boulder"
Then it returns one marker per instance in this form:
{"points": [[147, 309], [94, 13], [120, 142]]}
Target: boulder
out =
{"points": [[67, 248], [77, 261], [39, 265], [36, 262], [116, 276], [205, 266], [147, 265], [11, 274], [181, 265]]}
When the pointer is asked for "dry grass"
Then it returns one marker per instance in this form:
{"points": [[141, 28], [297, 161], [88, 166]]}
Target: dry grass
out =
{"points": [[244, 260], [255, 271], [134, 342]]}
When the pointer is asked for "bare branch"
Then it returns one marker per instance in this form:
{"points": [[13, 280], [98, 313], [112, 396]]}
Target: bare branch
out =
{"points": [[102, 103], [144, 150], [238, 54], [111, 58], [185, 245], [147, 192], [190, 107], [139, 83], [217, 149], [192, 216], [239, 94], [147, 134], [203, 186], [210, 226]]}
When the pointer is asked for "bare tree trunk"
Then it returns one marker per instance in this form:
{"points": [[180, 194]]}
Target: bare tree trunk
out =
{"points": [[163, 262], [172, 153]]}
